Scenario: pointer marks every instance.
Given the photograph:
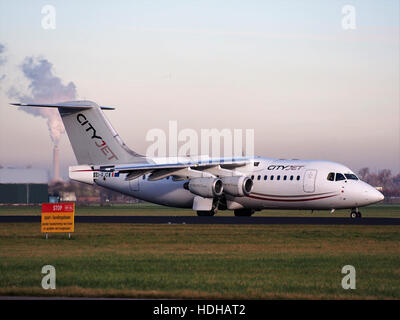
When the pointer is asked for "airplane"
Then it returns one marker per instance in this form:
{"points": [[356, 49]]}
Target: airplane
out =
{"points": [[206, 185]]}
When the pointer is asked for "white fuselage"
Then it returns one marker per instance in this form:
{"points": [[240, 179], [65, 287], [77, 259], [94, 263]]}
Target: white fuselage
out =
{"points": [[283, 184]]}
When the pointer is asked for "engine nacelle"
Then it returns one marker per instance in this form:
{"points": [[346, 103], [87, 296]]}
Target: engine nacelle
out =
{"points": [[238, 186], [206, 187]]}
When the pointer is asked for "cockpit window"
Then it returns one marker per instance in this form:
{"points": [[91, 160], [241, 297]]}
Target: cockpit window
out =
{"points": [[351, 176], [331, 176], [339, 177]]}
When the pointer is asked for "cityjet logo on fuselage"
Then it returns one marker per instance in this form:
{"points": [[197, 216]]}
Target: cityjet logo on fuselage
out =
{"points": [[101, 144], [288, 167]]}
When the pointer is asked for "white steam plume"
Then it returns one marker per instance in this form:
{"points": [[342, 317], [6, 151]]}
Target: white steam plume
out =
{"points": [[45, 88], [2, 60]]}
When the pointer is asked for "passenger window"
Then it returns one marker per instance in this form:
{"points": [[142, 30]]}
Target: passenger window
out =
{"points": [[339, 177], [298, 178], [144, 177], [252, 177], [259, 177], [278, 178], [272, 177], [291, 177], [331, 176], [284, 177], [265, 177]]}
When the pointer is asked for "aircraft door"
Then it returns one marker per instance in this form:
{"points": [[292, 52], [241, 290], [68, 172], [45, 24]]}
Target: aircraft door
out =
{"points": [[134, 184], [309, 180]]}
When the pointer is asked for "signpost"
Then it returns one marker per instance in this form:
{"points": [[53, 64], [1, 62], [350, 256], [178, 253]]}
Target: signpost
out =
{"points": [[58, 217]]}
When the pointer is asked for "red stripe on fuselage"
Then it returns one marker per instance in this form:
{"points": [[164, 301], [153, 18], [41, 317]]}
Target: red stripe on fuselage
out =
{"points": [[291, 196], [290, 200]]}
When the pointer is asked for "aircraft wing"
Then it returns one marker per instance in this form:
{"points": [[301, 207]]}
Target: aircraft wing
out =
{"points": [[180, 170]]}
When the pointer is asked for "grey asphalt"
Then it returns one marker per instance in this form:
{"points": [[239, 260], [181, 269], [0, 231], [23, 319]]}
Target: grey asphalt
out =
{"points": [[215, 220]]}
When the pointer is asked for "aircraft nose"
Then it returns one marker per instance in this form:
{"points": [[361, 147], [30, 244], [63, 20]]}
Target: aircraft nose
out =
{"points": [[378, 196], [374, 195]]}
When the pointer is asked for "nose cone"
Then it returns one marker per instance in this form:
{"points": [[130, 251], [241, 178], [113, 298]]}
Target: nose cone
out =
{"points": [[377, 196], [373, 195], [366, 194]]}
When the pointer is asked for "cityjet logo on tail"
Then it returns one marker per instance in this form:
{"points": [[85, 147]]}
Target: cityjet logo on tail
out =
{"points": [[102, 145]]}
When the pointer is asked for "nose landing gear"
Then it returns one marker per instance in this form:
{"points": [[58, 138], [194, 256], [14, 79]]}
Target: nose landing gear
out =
{"points": [[355, 213]]}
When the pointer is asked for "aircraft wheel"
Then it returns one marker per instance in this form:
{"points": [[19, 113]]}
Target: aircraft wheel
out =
{"points": [[206, 213], [353, 215], [243, 212]]}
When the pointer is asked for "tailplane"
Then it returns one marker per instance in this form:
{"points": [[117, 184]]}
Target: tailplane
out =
{"points": [[92, 137]]}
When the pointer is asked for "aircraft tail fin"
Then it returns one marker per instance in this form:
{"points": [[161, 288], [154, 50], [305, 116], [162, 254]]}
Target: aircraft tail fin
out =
{"points": [[92, 137]]}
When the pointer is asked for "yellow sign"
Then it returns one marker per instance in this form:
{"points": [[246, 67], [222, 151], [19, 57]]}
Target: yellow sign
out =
{"points": [[58, 217]]}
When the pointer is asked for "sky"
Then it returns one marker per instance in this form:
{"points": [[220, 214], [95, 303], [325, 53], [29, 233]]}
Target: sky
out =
{"points": [[310, 86]]}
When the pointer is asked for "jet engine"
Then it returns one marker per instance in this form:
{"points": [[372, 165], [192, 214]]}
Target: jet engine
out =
{"points": [[238, 186], [206, 187]]}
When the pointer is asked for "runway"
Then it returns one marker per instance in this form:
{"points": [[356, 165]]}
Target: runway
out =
{"points": [[214, 220]]}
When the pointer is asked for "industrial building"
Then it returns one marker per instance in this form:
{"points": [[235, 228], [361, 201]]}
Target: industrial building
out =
{"points": [[23, 186]]}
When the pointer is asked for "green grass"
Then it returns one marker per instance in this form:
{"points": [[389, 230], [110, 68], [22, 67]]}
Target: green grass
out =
{"points": [[203, 261], [143, 209]]}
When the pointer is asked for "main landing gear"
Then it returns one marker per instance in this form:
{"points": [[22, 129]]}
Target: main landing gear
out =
{"points": [[243, 212], [238, 213], [209, 213], [212, 212], [355, 213]]}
